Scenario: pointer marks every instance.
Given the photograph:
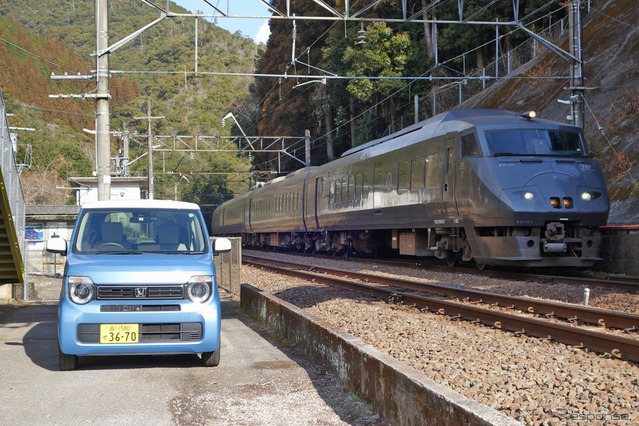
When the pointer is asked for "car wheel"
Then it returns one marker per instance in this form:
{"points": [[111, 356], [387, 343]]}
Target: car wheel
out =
{"points": [[212, 359], [67, 362]]}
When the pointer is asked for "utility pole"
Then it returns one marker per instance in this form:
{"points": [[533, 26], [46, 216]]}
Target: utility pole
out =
{"points": [[149, 145], [150, 148], [577, 88], [125, 152], [102, 135]]}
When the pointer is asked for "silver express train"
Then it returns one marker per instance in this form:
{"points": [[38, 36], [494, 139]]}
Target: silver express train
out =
{"points": [[496, 187]]}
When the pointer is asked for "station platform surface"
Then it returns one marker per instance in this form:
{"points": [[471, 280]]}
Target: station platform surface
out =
{"points": [[261, 380]]}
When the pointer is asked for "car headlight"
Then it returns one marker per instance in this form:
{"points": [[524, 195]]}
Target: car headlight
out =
{"points": [[81, 290], [198, 289]]}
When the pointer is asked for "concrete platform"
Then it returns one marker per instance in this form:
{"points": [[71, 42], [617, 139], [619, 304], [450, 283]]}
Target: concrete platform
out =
{"points": [[260, 381]]}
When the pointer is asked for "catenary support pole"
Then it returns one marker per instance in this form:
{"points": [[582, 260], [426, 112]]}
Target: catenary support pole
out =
{"points": [[576, 65], [102, 138]]}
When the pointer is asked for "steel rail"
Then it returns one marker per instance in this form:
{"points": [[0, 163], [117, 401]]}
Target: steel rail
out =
{"points": [[616, 346], [626, 284]]}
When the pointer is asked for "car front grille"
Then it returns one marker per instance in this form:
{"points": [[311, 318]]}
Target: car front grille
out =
{"points": [[129, 292]]}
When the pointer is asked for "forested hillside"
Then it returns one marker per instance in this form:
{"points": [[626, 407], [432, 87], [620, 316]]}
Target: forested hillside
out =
{"points": [[58, 36]]}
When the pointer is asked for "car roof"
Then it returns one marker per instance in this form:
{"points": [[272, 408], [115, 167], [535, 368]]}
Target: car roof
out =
{"points": [[147, 204]]}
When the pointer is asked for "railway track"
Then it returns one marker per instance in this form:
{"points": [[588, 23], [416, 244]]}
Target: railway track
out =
{"points": [[630, 284], [532, 317]]}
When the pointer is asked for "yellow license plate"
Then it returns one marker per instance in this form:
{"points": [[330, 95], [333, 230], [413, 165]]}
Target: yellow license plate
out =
{"points": [[119, 333]]}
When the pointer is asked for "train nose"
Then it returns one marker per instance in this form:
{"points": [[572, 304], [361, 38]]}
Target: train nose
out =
{"points": [[559, 191], [555, 185]]}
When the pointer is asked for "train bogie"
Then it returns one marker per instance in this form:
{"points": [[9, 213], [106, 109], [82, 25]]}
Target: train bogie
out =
{"points": [[485, 185]]}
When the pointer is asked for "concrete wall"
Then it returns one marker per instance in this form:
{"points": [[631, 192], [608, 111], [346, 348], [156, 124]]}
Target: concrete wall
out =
{"points": [[6, 291], [398, 392], [621, 252]]}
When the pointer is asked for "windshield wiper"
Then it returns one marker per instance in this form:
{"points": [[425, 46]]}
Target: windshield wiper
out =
{"points": [[119, 252]]}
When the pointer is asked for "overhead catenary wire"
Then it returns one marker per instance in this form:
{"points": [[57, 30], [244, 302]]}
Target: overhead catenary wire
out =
{"points": [[461, 75]]}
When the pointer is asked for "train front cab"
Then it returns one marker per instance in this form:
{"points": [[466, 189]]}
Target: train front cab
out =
{"points": [[528, 209]]}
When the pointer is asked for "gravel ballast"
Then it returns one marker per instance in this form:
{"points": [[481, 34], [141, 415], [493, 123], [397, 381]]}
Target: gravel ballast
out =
{"points": [[532, 380]]}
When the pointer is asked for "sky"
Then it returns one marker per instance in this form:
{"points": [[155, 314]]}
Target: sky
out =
{"points": [[257, 29]]}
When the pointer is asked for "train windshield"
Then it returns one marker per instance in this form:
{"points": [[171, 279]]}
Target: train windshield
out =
{"points": [[534, 142]]}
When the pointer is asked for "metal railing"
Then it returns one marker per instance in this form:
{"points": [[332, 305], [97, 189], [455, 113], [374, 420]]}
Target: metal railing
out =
{"points": [[13, 187], [228, 267]]}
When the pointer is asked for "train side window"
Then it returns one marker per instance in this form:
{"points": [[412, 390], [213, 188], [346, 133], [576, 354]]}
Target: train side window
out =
{"points": [[345, 188], [416, 174], [378, 175], [351, 187], [402, 176], [358, 186], [433, 171], [469, 146], [338, 190], [331, 192], [365, 186]]}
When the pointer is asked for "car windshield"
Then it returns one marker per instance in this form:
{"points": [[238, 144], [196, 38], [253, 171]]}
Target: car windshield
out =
{"points": [[140, 231], [547, 142]]}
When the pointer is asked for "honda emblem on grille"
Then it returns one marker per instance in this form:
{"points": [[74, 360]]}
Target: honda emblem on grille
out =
{"points": [[140, 292]]}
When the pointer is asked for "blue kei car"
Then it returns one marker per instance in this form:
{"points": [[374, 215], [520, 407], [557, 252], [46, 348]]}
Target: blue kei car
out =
{"points": [[139, 279]]}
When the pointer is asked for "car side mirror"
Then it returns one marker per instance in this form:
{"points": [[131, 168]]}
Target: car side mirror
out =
{"points": [[221, 245], [57, 245]]}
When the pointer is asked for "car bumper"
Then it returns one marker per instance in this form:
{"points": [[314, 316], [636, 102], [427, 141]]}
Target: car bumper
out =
{"points": [[178, 327]]}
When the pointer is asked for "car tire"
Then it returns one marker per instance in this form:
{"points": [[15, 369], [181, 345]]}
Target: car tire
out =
{"points": [[212, 359], [67, 362]]}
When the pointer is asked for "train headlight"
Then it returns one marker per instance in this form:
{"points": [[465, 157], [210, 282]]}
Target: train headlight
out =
{"points": [[590, 195], [529, 195]]}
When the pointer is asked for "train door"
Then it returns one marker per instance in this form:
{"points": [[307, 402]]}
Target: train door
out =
{"points": [[449, 169], [309, 208]]}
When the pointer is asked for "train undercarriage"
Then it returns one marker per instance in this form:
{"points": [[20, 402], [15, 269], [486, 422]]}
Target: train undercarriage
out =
{"points": [[554, 244]]}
